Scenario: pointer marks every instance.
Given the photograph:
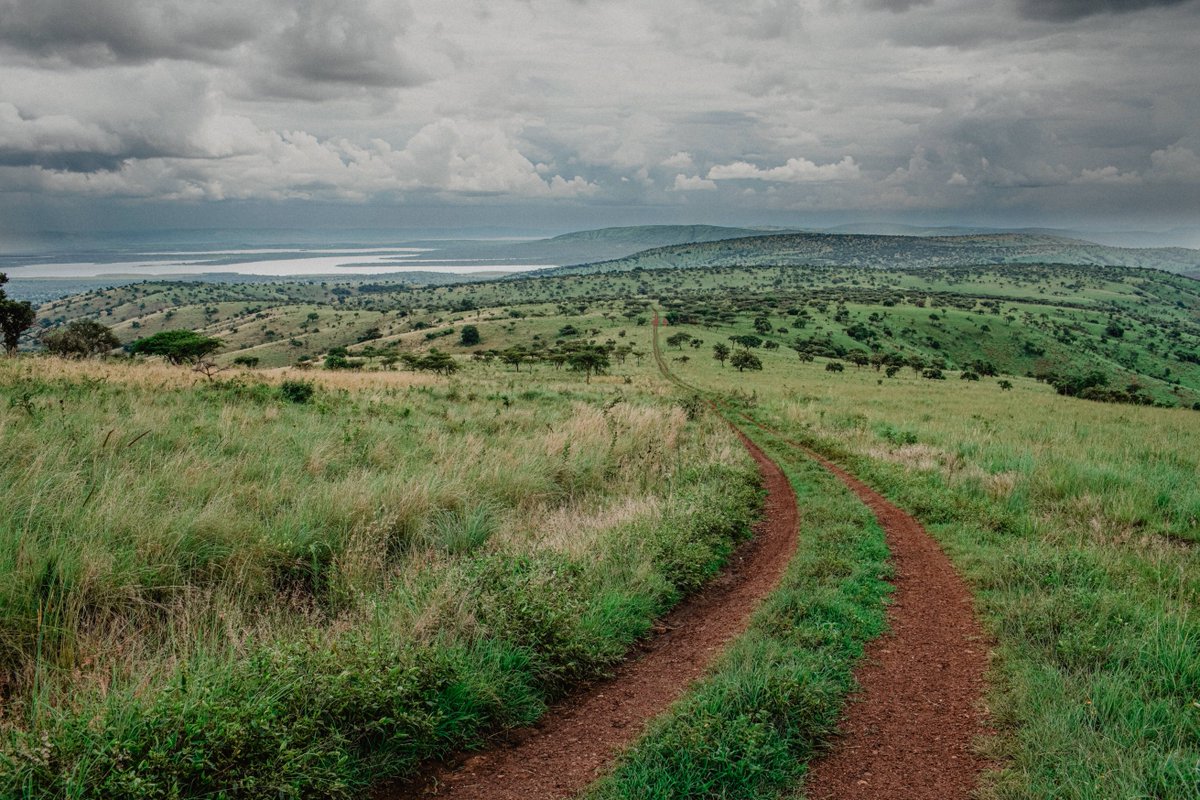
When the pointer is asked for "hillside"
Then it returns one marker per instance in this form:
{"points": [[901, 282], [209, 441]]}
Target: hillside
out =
{"points": [[1137, 325], [887, 252], [602, 244]]}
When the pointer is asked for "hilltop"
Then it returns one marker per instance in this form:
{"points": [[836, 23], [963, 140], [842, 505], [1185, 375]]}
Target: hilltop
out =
{"points": [[892, 251]]}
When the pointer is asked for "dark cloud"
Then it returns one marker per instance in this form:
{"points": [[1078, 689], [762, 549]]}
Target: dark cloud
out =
{"points": [[63, 162], [1069, 10], [124, 31], [896, 6], [328, 41]]}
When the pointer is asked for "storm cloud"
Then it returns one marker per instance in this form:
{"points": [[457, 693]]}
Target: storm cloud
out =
{"points": [[682, 108]]}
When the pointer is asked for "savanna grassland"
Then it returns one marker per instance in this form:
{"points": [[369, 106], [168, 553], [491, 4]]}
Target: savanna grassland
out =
{"points": [[294, 580], [210, 587], [1077, 525]]}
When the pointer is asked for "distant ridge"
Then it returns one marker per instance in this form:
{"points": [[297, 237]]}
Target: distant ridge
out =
{"points": [[895, 252]]}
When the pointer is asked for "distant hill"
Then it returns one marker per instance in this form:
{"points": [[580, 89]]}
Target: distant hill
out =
{"points": [[603, 244], [895, 252]]}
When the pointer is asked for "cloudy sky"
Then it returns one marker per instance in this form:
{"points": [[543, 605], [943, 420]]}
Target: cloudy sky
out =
{"points": [[565, 113]]}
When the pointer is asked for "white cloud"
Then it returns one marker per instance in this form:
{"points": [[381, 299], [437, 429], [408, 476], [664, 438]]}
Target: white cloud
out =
{"points": [[796, 170], [695, 183], [957, 179], [1109, 175], [238, 160], [53, 133], [680, 160], [1175, 163]]}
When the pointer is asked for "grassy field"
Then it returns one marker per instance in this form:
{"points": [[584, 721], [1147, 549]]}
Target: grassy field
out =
{"points": [[208, 587], [1077, 525], [203, 579]]}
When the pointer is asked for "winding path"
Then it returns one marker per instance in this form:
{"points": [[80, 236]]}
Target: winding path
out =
{"points": [[909, 732]]}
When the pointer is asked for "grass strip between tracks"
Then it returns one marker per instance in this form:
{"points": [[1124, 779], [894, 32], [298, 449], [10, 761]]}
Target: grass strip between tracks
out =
{"points": [[750, 727]]}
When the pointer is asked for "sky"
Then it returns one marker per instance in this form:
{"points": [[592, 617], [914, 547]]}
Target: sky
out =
{"points": [[560, 114]]}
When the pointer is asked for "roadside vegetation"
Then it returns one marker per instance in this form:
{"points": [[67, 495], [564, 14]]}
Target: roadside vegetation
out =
{"points": [[296, 584], [1077, 525]]}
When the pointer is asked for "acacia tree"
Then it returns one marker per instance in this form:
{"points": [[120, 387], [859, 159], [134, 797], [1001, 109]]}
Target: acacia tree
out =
{"points": [[678, 340], [16, 317], [589, 360], [177, 347], [721, 352]]}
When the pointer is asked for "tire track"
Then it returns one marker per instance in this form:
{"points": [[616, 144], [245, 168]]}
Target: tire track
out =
{"points": [[910, 730]]}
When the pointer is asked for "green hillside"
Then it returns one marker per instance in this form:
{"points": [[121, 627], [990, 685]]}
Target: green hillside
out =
{"points": [[1136, 325], [889, 252]]}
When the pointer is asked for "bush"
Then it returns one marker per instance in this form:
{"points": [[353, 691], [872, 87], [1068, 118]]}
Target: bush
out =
{"points": [[835, 366], [469, 337], [296, 391], [80, 339]]}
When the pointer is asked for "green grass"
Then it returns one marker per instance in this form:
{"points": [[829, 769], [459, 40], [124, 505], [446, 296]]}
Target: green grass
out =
{"points": [[209, 590], [749, 728], [1076, 526]]}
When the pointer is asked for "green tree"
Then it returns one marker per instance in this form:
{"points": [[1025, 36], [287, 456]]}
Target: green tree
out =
{"points": [[177, 347], [744, 360], [514, 357], [439, 362], [589, 360], [721, 352], [469, 336], [678, 340], [81, 338], [16, 317]]}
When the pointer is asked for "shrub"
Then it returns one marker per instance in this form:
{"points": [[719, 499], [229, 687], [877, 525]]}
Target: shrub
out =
{"points": [[296, 391]]}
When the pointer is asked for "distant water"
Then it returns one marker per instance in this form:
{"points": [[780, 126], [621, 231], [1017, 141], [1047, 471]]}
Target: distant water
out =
{"points": [[285, 262], [44, 276]]}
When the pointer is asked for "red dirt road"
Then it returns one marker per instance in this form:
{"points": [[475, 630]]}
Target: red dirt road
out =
{"points": [[908, 733], [578, 738]]}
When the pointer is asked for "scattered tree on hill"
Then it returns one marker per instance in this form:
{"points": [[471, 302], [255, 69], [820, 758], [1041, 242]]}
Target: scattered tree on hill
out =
{"points": [[514, 357], [721, 352], [744, 360], [678, 340], [835, 366], [589, 360], [762, 325], [747, 340], [1006, 385], [81, 338], [469, 337], [16, 317], [177, 347], [438, 362], [968, 375]]}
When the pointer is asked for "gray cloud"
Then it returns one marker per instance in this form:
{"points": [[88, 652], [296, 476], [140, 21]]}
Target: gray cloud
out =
{"points": [[103, 31], [769, 107], [1068, 10]]}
